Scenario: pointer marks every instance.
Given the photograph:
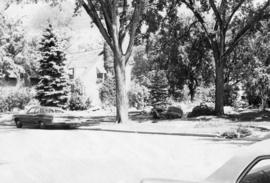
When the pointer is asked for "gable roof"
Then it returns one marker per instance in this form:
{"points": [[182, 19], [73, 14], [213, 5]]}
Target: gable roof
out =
{"points": [[88, 59]]}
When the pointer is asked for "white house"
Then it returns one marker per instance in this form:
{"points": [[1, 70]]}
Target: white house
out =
{"points": [[88, 67]]}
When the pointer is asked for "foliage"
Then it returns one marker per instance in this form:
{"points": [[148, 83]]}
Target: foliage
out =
{"points": [[224, 28], [17, 56], [201, 110], [53, 88], [240, 132], [78, 99], [107, 92], [254, 70], [174, 112], [230, 94], [206, 94], [138, 95], [158, 89], [108, 59], [182, 50], [18, 98]]}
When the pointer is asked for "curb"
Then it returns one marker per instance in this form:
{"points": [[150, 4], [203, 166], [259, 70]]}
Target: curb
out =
{"points": [[150, 133]]}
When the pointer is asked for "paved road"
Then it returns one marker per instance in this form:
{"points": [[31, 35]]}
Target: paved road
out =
{"points": [[84, 156]]}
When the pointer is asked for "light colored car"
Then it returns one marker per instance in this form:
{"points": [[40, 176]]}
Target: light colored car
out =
{"points": [[46, 117], [250, 165]]}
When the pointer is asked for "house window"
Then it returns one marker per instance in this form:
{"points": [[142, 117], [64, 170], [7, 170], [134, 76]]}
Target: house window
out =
{"points": [[71, 73], [100, 75]]}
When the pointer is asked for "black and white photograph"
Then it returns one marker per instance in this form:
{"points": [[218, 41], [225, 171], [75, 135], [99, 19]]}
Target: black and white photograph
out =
{"points": [[135, 91]]}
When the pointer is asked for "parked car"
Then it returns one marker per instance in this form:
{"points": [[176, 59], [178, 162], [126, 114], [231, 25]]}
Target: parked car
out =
{"points": [[250, 165], [46, 117]]}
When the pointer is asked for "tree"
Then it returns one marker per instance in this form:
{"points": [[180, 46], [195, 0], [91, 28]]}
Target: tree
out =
{"points": [[13, 49], [117, 20], [181, 49], [258, 79], [225, 23], [159, 89], [232, 21], [53, 88]]}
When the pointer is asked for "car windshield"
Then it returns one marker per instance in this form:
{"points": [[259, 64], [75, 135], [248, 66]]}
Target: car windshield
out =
{"points": [[51, 110]]}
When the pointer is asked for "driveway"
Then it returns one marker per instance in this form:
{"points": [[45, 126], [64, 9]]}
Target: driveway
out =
{"points": [[83, 156]]}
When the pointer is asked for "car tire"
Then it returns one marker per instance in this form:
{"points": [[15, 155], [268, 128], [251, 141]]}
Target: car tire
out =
{"points": [[18, 124], [41, 125]]}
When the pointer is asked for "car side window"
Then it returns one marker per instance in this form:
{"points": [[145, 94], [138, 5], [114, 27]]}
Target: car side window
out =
{"points": [[259, 173], [33, 110]]}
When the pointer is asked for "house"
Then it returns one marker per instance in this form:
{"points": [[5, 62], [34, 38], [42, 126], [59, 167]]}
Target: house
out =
{"points": [[88, 68]]}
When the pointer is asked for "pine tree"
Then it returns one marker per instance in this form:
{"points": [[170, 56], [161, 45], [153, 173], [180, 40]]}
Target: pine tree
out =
{"points": [[159, 89], [54, 87]]}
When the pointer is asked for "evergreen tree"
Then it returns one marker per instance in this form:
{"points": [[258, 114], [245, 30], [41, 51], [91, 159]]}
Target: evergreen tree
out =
{"points": [[53, 88], [159, 89]]}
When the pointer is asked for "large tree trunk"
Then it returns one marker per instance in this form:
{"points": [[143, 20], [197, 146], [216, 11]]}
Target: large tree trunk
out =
{"points": [[219, 104], [121, 93], [220, 60]]}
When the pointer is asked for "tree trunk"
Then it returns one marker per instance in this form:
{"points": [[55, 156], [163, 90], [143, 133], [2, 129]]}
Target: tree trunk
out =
{"points": [[121, 93], [219, 105]]}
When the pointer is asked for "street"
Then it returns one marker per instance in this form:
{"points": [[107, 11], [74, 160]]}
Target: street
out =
{"points": [[82, 155]]}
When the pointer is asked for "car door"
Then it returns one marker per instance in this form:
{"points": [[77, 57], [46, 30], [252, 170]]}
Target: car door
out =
{"points": [[32, 116]]}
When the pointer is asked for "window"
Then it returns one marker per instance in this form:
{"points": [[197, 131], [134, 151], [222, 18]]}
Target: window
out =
{"points": [[259, 173], [33, 110], [100, 75], [71, 73]]}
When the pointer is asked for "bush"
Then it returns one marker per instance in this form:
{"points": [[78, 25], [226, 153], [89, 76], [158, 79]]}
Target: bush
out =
{"points": [[107, 92], [174, 112], [201, 110], [138, 95], [11, 98], [171, 113], [240, 132], [230, 95], [78, 100], [206, 95]]}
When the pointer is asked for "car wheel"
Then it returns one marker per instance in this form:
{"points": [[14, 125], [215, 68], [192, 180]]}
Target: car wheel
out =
{"points": [[18, 124], [41, 125]]}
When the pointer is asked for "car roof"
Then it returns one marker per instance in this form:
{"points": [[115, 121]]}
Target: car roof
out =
{"points": [[233, 168], [46, 108]]}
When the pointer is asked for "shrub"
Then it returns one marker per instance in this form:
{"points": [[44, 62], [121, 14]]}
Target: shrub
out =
{"points": [[107, 92], [78, 100], [171, 113], [230, 94], [240, 132], [206, 95], [138, 95], [174, 112], [77, 103], [201, 110], [11, 98]]}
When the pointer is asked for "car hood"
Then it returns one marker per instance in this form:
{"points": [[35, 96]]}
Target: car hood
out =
{"points": [[165, 181]]}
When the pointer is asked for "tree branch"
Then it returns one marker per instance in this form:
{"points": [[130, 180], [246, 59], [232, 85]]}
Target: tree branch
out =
{"points": [[233, 13], [91, 11], [200, 19], [134, 24], [257, 17], [217, 14]]}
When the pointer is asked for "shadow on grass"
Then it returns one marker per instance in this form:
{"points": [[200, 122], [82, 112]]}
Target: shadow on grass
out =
{"points": [[136, 116], [257, 116]]}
